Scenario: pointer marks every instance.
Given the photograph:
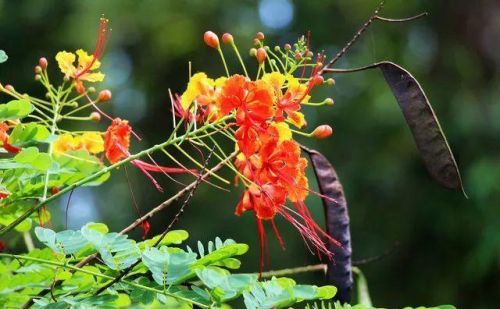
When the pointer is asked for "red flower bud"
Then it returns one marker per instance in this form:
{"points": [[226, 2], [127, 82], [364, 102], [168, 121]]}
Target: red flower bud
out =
{"points": [[288, 46], [104, 96], [43, 63], [261, 55], [322, 131], [259, 35], [95, 116], [38, 69], [9, 88], [54, 190], [256, 42], [317, 80], [211, 39], [227, 38]]}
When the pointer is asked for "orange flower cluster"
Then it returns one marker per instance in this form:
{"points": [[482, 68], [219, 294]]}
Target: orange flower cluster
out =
{"points": [[270, 161]]}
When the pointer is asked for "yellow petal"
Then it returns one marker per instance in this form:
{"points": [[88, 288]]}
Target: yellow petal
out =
{"points": [[65, 61], [63, 143], [92, 142], [198, 84], [284, 132], [93, 77], [275, 79], [85, 59], [297, 119]]}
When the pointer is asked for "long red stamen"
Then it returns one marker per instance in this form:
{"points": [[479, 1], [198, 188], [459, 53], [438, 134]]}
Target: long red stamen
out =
{"points": [[99, 47]]}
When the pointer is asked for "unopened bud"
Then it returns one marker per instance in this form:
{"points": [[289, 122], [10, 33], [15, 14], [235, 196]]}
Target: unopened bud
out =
{"points": [[253, 52], [90, 89], [309, 54], [43, 63], [259, 35], [37, 77], [277, 48], [328, 101], [54, 190], [95, 116], [298, 56], [9, 88], [38, 69], [330, 81], [227, 38], [261, 55], [288, 46], [322, 131], [104, 95], [317, 80], [211, 39], [256, 42]]}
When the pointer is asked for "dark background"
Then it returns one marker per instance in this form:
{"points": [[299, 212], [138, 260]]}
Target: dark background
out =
{"points": [[449, 246]]}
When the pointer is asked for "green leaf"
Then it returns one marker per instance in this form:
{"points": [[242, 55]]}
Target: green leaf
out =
{"points": [[173, 237], [169, 266], [99, 227], [28, 134], [32, 157], [3, 56], [67, 242], [15, 109]]}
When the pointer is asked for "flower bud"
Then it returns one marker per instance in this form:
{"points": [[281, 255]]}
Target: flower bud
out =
{"points": [[330, 82], [261, 55], [277, 48], [37, 77], [317, 80], [227, 38], [309, 54], [104, 96], [211, 39], [256, 42], [298, 56], [43, 63], [322, 131], [288, 46], [9, 88], [328, 101], [253, 52], [259, 35], [95, 116], [90, 89], [38, 69], [54, 190]]}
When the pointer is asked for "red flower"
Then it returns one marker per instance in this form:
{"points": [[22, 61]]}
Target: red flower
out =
{"points": [[117, 140], [4, 138]]}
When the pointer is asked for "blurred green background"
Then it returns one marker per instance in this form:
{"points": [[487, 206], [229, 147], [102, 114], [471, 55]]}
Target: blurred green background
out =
{"points": [[446, 249]]}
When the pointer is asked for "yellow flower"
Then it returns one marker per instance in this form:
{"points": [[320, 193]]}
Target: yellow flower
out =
{"points": [[297, 119], [202, 89], [90, 141], [64, 143], [82, 70]]}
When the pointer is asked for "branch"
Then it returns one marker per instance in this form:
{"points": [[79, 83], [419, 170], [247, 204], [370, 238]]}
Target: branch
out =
{"points": [[169, 227], [365, 26], [171, 140], [150, 214]]}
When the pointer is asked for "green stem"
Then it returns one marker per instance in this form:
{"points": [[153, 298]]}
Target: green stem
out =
{"points": [[28, 241], [293, 271], [89, 272], [223, 60], [107, 169]]}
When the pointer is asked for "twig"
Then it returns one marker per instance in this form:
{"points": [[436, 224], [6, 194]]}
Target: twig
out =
{"points": [[295, 270], [150, 214], [365, 26], [174, 220]]}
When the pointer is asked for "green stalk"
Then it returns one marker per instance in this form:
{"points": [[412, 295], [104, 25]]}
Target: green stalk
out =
{"points": [[89, 272], [107, 169]]}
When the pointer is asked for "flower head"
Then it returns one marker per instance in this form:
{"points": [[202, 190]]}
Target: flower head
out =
{"points": [[117, 140]]}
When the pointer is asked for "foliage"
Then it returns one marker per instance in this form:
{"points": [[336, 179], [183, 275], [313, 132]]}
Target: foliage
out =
{"points": [[183, 276]]}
